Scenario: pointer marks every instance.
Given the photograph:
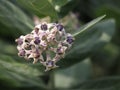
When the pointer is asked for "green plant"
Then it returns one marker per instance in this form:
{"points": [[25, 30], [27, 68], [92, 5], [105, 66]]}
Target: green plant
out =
{"points": [[94, 54]]}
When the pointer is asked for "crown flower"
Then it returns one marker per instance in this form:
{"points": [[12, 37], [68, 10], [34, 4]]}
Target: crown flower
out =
{"points": [[47, 43]]}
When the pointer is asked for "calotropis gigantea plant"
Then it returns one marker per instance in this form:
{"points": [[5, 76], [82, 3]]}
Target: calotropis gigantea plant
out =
{"points": [[47, 43]]}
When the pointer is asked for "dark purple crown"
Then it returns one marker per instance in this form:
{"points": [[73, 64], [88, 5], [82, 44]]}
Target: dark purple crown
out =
{"points": [[60, 27], [44, 27], [37, 40]]}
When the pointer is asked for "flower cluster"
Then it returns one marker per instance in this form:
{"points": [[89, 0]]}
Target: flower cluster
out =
{"points": [[47, 43]]}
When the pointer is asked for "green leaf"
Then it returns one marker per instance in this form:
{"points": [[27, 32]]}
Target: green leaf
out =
{"points": [[73, 75], [105, 83], [114, 12], [105, 59], [7, 48], [88, 41], [111, 12], [18, 74], [64, 10], [40, 8], [90, 24], [13, 21], [59, 3]]}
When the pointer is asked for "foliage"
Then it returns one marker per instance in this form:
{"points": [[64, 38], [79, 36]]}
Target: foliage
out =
{"points": [[91, 63]]}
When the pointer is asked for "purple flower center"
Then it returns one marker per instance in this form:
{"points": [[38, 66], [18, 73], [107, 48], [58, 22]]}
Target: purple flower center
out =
{"points": [[37, 40], [36, 30], [59, 27], [37, 55], [44, 27], [50, 63], [22, 52], [59, 50], [70, 39]]}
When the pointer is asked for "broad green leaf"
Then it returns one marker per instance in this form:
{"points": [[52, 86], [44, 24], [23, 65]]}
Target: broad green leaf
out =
{"points": [[7, 48], [59, 3], [105, 59], [105, 83], [88, 41], [40, 8], [18, 74], [87, 26], [13, 21], [64, 10], [111, 12], [73, 75]]}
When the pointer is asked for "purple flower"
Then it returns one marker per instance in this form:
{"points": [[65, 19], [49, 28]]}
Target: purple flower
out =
{"points": [[36, 55], [60, 27], [36, 30], [59, 51], [19, 41], [70, 39], [37, 40], [50, 63], [44, 27], [47, 43], [22, 52]]}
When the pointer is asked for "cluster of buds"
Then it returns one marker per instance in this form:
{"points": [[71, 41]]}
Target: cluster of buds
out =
{"points": [[47, 43]]}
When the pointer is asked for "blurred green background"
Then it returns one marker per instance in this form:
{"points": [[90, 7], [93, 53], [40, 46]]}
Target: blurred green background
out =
{"points": [[93, 63]]}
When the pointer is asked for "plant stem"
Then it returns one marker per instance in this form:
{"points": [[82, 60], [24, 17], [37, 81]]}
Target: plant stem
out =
{"points": [[52, 81]]}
